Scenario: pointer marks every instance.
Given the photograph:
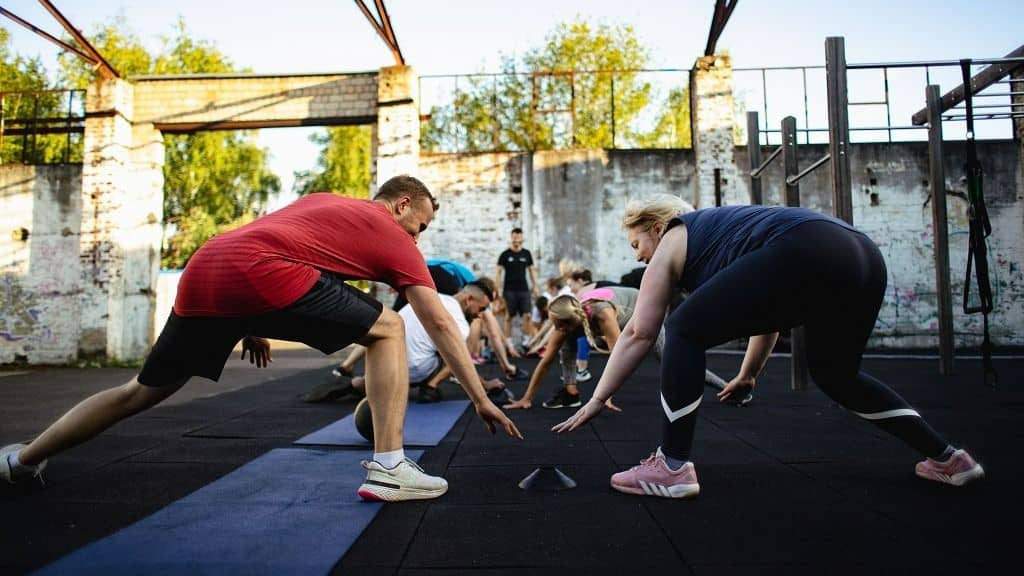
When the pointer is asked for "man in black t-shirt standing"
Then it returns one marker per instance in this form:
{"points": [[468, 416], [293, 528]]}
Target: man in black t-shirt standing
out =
{"points": [[518, 294]]}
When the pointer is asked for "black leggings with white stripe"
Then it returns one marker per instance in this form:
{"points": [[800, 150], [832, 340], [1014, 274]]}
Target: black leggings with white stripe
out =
{"points": [[819, 275]]}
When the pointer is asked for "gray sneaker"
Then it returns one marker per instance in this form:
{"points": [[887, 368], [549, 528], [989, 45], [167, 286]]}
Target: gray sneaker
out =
{"points": [[12, 477], [407, 481]]}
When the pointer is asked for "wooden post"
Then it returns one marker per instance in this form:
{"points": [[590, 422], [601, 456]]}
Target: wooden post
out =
{"points": [[797, 339], [838, 128], [754, 153], [937, 180]]}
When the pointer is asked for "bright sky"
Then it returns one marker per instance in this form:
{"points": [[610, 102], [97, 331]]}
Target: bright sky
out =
{"points": [[460, 36]]}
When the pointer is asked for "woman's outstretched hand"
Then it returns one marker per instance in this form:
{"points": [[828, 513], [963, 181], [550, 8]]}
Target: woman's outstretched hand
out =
{"points": [[592, 408], [736, 390]]}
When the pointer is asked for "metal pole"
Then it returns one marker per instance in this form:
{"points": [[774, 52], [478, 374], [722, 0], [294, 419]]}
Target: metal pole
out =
{"points": [[67, 126], [718, 187], [789, 160], [937, 178], [2, 96], [754, 153], [1017, 89], [496, 130], [797, 339], [838, 127], [613, 110]]}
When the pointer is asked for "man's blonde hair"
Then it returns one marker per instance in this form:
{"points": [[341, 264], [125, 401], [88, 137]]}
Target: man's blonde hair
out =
{"points": [[646, 213]]}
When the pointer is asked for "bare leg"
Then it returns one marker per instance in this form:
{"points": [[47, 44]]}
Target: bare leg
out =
{"points": [[473, 342], [352, 359], [387, 380], [94, 415], [508, 324], [526, 326], [497, 339]]}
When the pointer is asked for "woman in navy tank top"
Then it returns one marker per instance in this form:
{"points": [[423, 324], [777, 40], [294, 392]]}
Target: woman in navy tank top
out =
{"points": [[809, 270]]}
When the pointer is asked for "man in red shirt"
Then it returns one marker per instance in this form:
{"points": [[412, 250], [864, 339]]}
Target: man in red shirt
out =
{"points": [[282, 276]]}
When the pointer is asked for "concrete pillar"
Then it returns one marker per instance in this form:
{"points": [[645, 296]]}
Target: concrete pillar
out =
{"points": [[144, 230], [396, 136], [121, 216], [712, 112]]}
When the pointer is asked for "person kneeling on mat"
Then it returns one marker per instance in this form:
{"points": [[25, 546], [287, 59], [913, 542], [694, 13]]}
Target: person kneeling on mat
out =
{"points": [[449, 277], [426, 369], [281, 277], [596, 316], [753, 271]]}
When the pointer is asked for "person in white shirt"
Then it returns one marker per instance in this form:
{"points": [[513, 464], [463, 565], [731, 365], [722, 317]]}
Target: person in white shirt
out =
{"points": [[426, 369]]}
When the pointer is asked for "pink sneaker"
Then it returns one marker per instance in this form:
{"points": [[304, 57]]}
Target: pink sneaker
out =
{"points": [[654, 478], [958, 469]]}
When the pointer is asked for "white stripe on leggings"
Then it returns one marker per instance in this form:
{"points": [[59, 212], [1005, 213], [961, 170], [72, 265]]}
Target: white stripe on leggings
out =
{"points": [[677, 414], [888, 414]]}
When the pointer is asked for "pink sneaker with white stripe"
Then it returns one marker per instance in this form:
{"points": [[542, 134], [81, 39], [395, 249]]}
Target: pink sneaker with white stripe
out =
{"points": [[957, 470], [653, 477]]}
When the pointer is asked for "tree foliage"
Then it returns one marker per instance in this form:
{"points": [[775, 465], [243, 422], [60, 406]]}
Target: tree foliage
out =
{"points": [[343, 166], [581, 89], [672, 128], [27, 108], [213, 181]]}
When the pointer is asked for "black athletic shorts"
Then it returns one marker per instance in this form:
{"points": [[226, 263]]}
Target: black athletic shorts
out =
{"points": [[329, 317], [518, 303]]}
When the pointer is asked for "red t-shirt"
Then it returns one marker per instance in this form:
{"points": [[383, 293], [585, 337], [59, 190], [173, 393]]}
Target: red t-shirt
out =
{"points": [[269, 263]]}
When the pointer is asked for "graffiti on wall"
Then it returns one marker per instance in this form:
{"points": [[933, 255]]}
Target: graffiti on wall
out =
{"points": [[19, 310]]}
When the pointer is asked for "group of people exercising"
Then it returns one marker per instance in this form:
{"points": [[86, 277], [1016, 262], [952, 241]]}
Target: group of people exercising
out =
{"points": [[284, 276]]}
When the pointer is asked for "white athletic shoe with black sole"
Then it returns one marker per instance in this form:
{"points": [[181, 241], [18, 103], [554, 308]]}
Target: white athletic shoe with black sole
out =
{"points": [[12, 477], [407, 481]]}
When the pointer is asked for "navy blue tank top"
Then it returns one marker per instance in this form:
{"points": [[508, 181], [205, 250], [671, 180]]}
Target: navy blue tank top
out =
{"points": [[718, 236]]}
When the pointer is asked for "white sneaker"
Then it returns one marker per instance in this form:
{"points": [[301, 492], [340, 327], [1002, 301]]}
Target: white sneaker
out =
{"points": [[407, 481], [12, 477]]}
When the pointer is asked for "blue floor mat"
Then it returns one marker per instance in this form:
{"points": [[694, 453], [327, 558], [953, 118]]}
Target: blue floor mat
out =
{"points": [[425, 425], [290, 511]]}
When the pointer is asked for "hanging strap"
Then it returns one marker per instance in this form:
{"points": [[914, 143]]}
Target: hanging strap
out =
{"points": [[980, 228]]}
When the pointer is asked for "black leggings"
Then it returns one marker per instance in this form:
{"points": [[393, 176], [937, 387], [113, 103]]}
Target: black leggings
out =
{"points": [[819, 275]]}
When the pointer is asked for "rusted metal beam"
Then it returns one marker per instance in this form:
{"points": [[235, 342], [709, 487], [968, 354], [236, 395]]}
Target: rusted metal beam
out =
{"points": [[979, 82], [189, 127], [383, 29], [48, 36], [106, 70], [723, 10], [386, 20]]}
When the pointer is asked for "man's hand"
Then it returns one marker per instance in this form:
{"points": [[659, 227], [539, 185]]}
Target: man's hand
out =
{"points": [[492, 415], [736, 390], [592, 408], [258, 349]]}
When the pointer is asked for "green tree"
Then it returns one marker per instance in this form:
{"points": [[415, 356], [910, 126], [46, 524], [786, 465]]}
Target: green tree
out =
{"points": [[213, 181], [581, 89], [343, 166], [672, 128], [28, 111]]}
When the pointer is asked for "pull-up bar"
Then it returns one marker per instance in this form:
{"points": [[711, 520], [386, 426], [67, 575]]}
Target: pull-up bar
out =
{"points": [[998, 69], [756, 172], [798, 177]]}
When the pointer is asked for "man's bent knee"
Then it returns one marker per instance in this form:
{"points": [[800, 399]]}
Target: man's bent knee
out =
{"points": [[388, 325]]}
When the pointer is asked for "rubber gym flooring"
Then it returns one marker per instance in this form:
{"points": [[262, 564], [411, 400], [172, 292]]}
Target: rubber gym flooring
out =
{"points": [[791, 484]]}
